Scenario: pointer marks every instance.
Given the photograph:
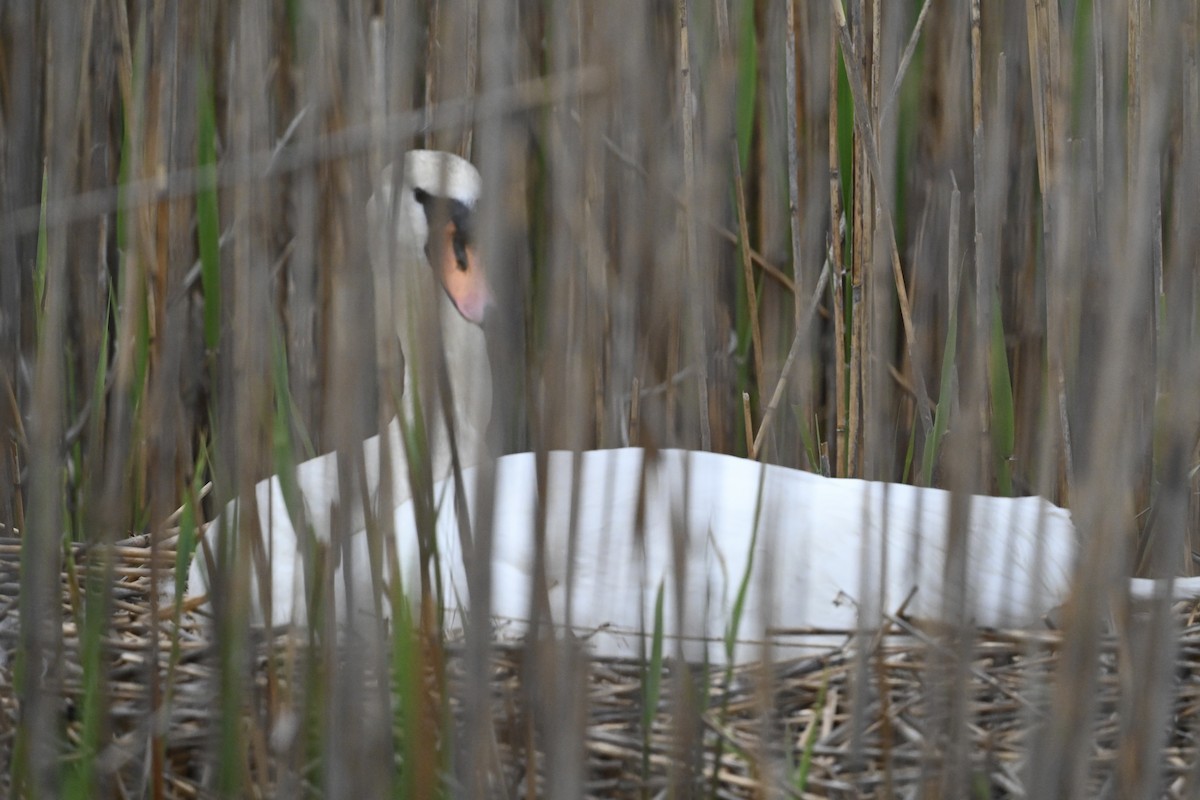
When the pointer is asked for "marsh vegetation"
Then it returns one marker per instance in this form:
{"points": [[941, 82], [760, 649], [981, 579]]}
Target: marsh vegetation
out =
{"points": [[942, 243]]}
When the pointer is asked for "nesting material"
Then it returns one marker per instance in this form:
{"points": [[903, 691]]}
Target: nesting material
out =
{"points": [[855, 728]]}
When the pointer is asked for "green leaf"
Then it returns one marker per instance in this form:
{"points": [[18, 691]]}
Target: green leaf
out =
{"points": [[949, 388], [739, 605], [1003, 414], [747, 84], [800, 775]]}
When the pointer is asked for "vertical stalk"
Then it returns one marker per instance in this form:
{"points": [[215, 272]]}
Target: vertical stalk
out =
{"points": [[838, 284], [693, 311]]}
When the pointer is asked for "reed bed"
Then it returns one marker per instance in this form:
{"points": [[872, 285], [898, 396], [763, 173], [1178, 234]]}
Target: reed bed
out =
{"points": [[805, 747], [942, 243]]}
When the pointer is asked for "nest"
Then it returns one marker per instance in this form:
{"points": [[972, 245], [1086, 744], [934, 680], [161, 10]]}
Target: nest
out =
{"points": [[914, 713]]}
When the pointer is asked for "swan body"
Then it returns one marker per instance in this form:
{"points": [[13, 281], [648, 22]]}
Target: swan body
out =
{"points": [[814, 552], [819, 557]]}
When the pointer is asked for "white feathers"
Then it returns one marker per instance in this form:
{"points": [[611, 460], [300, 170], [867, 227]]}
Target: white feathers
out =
{"points": [[439, 174], [813, 551], [416, 309]]}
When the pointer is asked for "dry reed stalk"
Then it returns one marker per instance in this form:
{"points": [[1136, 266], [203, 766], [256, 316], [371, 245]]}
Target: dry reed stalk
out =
{"points": [[793, 156], [692, 314], [1042, 27], [985, 242], [841, 398], [902, 68]]}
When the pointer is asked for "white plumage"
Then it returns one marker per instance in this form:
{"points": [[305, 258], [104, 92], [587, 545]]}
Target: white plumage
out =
{"points": [[414, 297], [811, 549]]}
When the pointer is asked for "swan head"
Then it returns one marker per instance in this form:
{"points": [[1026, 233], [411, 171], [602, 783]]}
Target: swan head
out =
{"points": [[431, 286], [434, 224]]}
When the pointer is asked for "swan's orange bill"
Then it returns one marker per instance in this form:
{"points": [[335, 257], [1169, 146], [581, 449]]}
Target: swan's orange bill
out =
{"points": [[463, 275]]}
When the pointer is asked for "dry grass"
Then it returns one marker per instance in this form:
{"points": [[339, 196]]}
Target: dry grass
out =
{"points": [[809, 745]]}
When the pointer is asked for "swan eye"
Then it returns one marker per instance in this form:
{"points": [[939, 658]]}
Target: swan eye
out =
{"points": [[456, 215], [460, 250]]}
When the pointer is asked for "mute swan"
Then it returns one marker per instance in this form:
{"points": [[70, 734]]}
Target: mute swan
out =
{"points": [[811, 551], [422, 250]]}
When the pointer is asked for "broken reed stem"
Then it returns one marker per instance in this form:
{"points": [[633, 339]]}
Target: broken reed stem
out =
{"points": [[793, 351], [902, 69]]}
